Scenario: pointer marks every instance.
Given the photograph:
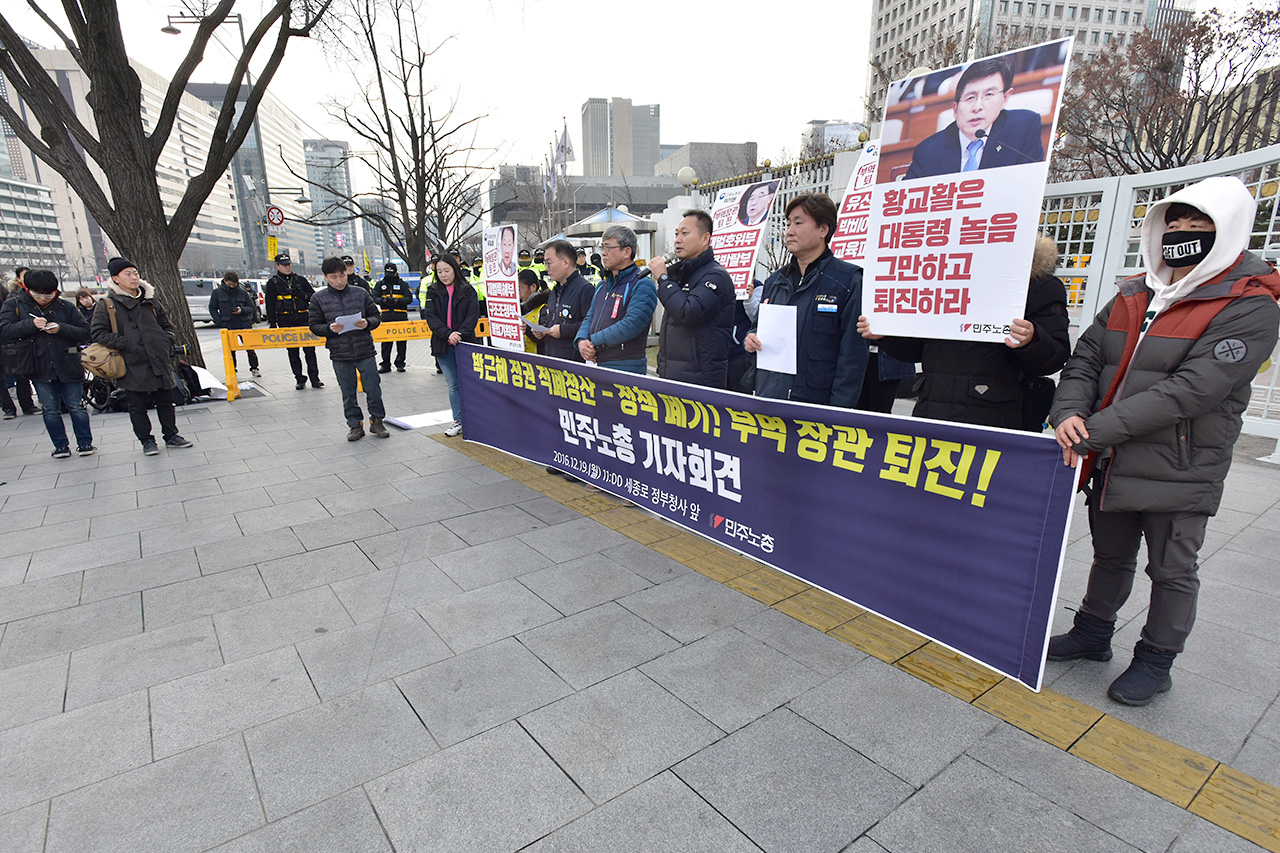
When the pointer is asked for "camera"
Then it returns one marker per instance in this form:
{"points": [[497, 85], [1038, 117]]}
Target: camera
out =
{"points": [[179, 351]]}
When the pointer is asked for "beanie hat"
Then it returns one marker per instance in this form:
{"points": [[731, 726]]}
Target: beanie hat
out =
{"points": [[118, 265]]}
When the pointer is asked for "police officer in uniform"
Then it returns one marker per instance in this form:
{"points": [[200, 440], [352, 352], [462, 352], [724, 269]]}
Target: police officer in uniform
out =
{"points": [[353, 277], [393, 296], [288, 296]]}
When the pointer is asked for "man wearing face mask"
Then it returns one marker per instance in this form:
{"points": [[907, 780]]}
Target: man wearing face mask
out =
{"points": [[1152, 400]]}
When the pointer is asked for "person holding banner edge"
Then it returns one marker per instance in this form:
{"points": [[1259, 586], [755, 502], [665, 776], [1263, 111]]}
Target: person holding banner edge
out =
{"points": [[831, 357], [1152, 401], [616, 329]]}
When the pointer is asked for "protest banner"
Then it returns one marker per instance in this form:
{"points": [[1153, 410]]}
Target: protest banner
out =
{"points": [[956, 203], [502, 298], [956, 532], [739, 217], [850, 240]]}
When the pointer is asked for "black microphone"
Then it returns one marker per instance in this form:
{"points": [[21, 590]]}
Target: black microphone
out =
{"points": [[671, 259], [982, 134]]}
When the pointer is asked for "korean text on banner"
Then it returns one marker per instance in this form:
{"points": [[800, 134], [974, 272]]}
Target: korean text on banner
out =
{"points": [[502, 297], [850, 241], [739, 218], [956, 203], [956, 532]]}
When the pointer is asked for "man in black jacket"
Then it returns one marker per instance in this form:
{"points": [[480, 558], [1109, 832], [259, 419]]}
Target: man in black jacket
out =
{"points": [[698, 298], [287, 297], [231, 307], [350, 347], [353, 277], [567, 303], [393, 296]]}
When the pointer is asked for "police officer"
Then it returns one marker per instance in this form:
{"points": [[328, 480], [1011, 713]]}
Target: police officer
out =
{"points": [[540, 264], [288, 296], [353, 277], [525, 259], [477, 276], [393, 296]]}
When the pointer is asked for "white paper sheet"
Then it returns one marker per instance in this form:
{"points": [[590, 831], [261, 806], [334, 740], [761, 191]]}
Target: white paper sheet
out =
{"points": [[347, 321], [776, 329]]}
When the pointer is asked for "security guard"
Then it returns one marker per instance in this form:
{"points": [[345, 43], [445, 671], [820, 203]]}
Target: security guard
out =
{"points": [[525, 259], [477, 276], [585, 269], [393, 296], [353, 277], [540, 264], [287, 297]]}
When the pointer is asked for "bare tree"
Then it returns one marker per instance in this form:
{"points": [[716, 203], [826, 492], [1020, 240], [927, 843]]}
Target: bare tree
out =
{"points": [[127, 203], [949, 48]]}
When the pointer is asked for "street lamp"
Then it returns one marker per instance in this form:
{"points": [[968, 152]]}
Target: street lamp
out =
{"points": [[302, 196], [170, 28]]}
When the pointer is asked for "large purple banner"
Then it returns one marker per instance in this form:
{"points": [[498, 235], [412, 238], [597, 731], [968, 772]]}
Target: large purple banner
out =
{"points": [[955, 532]]}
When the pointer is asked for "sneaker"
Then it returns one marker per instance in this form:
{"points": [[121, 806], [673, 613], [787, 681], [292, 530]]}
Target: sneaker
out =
{"points": [[316, 383], [177, 441], [400, 369], [8, 416], [384, 368], [302, 383], [356, 432], [31, 411], [149, 447], [255, 372], [87, 450], [377, 429], [456, 429], [61, 452]]}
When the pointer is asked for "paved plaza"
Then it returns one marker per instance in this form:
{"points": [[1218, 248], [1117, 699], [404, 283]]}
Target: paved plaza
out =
{"points": [[282, 641]]}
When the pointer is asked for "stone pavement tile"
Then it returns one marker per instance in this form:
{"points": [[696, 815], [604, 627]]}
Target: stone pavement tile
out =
{"points": [[208, 705], [1260, 758], [837, 794], [197, 470], [480, 689], [86, 555], [136, 483], [32, 691], [340, 824], [278, 622], [13, 569], [797, 640], [93, 475], [313, 487], [265, 461], [18, 601], [473, 619], [483, 475], [1108, 802], [1234, 658], [691, 607], [429, 487], [598, 643], [198, 509], [501, 493], [865, 845], [184, 803], [1231, 521], [315, 568], [386, 591], [413, 512], [1251, 611], [969, 807], [39, 537], [370, 497], [1269, 725], [730, 678], [548, 511], [647, 563], [136, 575], [906, 726], [246, 550], [1254, 572], [487, 525], [51, 497], [315, 753], [74, 628], [662, 814], [334, 464], [572, 539], [482, 565], [450, 801], [438, 463], [175, 494], [1259, 541], [131, 521], [1199, 836], [378, 475], [65, 752], [122, 666], [28, 519], [341, 528], [256, 479], [180, 602], [23, 831], [584, 583], [193, 534], [618, 733], [409, 545], [371, 652], [282, 515]]}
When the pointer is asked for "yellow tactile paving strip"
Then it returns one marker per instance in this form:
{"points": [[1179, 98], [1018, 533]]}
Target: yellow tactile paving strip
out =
{"points": [[1234, 801]]}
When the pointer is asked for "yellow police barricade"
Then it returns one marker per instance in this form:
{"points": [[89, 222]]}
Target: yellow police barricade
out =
{"points": [[234, 340]]}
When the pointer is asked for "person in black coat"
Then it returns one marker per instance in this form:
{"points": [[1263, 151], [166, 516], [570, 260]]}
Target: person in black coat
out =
{"points": [[287, 296], [698, 302], [986, 384], [451, 310], [232, 307], [144, 335], [19, 384], [567, 303], [393, 295], [54, 330], [350, 349]]}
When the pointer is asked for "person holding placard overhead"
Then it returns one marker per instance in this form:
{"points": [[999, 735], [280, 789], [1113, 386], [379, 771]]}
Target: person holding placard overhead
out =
{"points": [[825, 295]]}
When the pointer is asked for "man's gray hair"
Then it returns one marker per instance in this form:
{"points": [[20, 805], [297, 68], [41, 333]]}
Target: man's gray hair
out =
{"points": [[625, 236]]}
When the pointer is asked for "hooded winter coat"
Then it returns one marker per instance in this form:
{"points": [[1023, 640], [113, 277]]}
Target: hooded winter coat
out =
{"points": [[981, 383], [57, 355], [145, 337], [1167, 403]]}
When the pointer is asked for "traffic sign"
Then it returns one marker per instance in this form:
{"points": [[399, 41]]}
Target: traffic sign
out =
{"points": [[275, 216]]}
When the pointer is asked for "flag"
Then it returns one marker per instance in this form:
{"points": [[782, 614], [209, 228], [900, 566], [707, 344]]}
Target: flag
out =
{"points": [[564, 149], [367, 269]]}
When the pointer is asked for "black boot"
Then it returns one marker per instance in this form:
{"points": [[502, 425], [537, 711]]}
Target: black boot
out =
{"points": [[1147, 676], [1089, 638]]}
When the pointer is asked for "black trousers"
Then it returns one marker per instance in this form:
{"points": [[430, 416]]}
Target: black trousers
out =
{"points": [[295, 362], [402, 347], [22, 386], [139, 401]]}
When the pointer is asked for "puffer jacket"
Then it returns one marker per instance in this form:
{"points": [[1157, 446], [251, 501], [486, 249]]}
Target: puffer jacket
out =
{"points": [[329, 304], [223, 302], [57, 355], [466, 314], [145, 337], [286, 298], [697, 323], [981, 383], [394, 296]]}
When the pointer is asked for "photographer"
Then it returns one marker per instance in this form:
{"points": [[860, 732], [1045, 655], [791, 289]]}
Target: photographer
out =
{"points": [[145, 337], [51, 330]]}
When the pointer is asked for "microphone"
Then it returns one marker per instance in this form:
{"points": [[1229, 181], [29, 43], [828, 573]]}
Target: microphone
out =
{"points": [[981, 134], [671, 259]]}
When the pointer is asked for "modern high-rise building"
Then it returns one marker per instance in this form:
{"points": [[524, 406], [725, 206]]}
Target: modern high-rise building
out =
{"points": [[330, 184], [29, 233], [619, 138]]}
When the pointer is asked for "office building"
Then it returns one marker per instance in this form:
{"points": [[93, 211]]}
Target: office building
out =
{"points": [[329, 177], [619, 138], [711, 161]]}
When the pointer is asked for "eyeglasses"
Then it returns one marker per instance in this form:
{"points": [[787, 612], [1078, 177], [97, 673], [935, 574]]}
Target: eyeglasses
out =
{"points": [[605, 247], [986, 97]]}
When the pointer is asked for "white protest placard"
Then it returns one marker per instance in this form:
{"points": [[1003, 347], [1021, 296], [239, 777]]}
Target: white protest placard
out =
{"points": [[850, 240], [502, 298], [739, 217], [776, 329], [956, 204]]}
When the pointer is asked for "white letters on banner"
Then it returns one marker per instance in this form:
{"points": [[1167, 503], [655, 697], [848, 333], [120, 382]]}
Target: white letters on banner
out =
{"points": [[502, 297], [739, 218]]}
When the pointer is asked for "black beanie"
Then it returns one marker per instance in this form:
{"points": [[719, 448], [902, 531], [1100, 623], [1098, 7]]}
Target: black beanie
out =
{"points": [[118, 265]]}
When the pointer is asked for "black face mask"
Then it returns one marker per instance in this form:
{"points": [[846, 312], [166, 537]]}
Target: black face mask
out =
{"points": [[1186, 248]]}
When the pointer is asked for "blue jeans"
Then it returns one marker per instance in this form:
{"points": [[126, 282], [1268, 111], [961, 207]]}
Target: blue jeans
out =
{"points": [[449, 364], [52, 395], [346, 373]]}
